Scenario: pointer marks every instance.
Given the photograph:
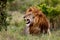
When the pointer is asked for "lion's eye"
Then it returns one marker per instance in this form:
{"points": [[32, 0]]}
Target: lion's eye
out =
{"points": [[24, 17]]}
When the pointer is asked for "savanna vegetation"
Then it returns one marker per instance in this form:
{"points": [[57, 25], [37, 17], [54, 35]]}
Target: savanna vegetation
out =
{"points": [[12, 22]]}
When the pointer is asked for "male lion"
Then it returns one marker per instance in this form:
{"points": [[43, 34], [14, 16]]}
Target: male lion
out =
{"points": [[36, 21]]}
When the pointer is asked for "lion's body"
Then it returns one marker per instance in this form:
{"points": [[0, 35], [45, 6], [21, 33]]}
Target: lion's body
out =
{"points": [[40, 24]]}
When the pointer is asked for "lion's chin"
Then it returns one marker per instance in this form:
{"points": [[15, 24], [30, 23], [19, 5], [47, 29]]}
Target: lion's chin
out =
{"points": [[28, 24]]}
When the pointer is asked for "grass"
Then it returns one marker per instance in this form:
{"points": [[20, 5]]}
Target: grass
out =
{"points": [[15, 33]]}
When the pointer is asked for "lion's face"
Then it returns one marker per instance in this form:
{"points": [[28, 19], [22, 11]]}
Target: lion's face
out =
{"points": [[29, 18]]}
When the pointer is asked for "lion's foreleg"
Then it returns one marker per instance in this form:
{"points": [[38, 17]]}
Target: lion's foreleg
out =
{"points": [[49, 33]]}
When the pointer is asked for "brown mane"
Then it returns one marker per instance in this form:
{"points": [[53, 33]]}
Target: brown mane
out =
{"points": [[40, 21]]}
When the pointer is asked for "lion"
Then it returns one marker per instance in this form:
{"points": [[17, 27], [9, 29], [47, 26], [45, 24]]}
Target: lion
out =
{"points": [[36, 21]]}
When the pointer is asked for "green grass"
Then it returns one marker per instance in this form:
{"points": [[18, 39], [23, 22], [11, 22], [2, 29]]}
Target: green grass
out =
{"points": [[15, 32]]}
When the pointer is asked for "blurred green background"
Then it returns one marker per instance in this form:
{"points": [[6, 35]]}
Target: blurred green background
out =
{"points": [[12, 22]]}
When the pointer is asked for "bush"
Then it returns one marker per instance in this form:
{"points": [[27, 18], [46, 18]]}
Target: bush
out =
{"points": [[51, 12]]}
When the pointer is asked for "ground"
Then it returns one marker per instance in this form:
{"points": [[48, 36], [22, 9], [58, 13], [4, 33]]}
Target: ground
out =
{"points": [[14, 32]]}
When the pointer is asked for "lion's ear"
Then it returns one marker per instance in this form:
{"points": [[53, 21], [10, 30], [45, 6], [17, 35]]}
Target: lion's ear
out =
{"points": [[30, 10], [40, 13]]}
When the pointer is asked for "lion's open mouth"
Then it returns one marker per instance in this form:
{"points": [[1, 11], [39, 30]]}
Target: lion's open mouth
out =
{"points": [[27, 21]]}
